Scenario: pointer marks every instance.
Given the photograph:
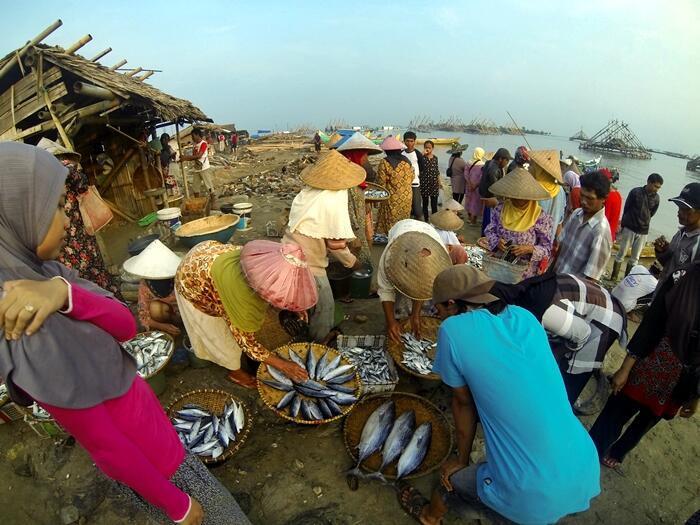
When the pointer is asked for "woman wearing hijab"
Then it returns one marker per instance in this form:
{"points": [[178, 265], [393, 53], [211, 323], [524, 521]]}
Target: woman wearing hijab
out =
{"points": [[660, 375], [357, 149], [396, 174], [472, 177], [319, 222], [224, 293], [80, 251], [519, 225], [573, 182], [455, 170], [59, 347], [545, 168]]}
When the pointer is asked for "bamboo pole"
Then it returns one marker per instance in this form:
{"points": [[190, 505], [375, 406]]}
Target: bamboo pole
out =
{"points": [[182, 168], [119, 212], [118, 65], [116, 169], [38, 38], [80, 43], [90, 90], [133, 72], [101, 54], [141, 144], [145, 76]]}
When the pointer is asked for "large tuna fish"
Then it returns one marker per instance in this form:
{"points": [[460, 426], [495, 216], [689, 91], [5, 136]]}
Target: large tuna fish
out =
{"points": [[415, 451], [374, 434], [395, 444]]}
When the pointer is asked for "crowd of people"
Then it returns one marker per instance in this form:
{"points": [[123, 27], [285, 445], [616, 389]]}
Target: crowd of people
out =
{"points": [[544, 336]]}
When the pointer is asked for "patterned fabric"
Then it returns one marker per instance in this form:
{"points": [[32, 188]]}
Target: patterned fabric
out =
{"points": [[146, 297], [538, 236], [195, 284], [653, 379], [472, 199], [81, 252], [585, 246], [430, 178], [193, 478], [358, 216], [398, 206]]}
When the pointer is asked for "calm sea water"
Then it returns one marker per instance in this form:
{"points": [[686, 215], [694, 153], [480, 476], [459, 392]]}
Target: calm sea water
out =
{"points": [[633, 172]]}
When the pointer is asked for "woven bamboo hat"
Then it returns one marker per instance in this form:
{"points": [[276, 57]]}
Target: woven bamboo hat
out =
{"points": [[457, 148], [548, 161], [488, 155], [335, 138], [157, 261], [358, 141], [391, 143], [519, 184], [412, 263], [333, 171], [446, 220], [57, 150]]}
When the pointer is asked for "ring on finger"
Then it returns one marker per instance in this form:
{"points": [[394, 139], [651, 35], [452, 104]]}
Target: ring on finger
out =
{"points": [[29, 308]]}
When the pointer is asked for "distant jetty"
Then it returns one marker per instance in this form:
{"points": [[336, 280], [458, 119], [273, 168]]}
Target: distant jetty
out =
{"points": [[618, 139], [425, 124], [580, 135]]}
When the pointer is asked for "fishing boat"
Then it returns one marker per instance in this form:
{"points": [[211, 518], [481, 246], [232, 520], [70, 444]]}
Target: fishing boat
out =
{"points": [[440, 142]]}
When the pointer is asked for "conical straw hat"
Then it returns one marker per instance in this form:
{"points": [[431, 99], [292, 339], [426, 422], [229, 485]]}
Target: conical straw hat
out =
{"points": [[157, 261], [279, 274], [358, 141], [488, 155], [391, 143], [446, 220], [451, 204], [412, 263], [333, 171], [334, 139], [57, 150], [548, 160], [519, 184]]}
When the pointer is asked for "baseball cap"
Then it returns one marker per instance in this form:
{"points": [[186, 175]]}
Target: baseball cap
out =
{"points": [[463, 282], [689, 197]]}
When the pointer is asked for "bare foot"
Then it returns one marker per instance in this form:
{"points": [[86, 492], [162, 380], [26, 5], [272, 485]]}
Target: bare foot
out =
{"points": [[242, 378]]}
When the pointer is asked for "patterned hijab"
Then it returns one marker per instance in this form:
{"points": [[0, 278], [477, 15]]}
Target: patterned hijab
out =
{"points": [[66, 363]]}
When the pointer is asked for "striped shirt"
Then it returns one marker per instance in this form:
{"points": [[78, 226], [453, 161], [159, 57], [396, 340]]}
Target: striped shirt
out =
{"points": [[590, 319], [584, 245]]}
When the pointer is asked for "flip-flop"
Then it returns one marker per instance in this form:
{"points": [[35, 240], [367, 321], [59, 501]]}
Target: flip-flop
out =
{"points": [[613, 465], [410, 499], [252, 386]]}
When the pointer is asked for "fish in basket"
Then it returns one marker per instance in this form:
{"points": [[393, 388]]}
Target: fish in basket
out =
{"points": [[375, 192], [413, 355], [397, 436], [151, 351], [331, 391], [211, 424]]}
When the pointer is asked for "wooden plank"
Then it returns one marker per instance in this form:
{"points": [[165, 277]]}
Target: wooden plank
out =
{"points": [[26, 88], [32, 106]]}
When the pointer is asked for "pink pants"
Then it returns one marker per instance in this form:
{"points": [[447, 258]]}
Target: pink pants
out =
{"points": [[132, 441]]}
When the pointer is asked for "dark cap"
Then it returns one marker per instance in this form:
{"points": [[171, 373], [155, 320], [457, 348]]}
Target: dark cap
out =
{"points": [[463, 282], [502, 153], [689, 197]]}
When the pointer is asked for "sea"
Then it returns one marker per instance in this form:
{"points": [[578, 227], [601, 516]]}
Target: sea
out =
{"points": [[633, 172]]}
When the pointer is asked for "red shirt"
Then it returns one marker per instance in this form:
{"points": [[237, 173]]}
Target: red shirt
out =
{"points": [[613, 211]]}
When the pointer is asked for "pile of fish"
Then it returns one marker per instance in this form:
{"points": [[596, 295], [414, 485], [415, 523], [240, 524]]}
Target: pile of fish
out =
{"points": [[371, 364], [149, 351], [475, 256], [40, 413], [397, 438], [415, 355], [206, 434], [376, 194], [380, 238], [320, 397], [3, 391]]}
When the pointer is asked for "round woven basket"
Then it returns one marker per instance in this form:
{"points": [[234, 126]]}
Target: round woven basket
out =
{"points": [[214, 401], [429, 329], [171, 351], [374, 186], [441, 441], [271, 396]]}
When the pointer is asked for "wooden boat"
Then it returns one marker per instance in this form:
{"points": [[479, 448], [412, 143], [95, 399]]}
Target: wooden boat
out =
{"points": [[440, 142]]}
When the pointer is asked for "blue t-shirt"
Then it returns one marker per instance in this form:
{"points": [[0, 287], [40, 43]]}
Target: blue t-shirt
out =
{"points": [[540, 462]]}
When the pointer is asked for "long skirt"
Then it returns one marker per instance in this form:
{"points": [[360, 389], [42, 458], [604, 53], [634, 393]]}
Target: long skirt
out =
{"points": [[211, 337], [322, 319]]}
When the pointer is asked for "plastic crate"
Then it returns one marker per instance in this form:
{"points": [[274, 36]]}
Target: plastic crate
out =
{"points": [[375, 342]]}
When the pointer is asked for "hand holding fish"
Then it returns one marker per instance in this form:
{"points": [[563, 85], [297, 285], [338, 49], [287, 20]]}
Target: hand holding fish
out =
{"points": [[196, 514], [415, 325], [393, 330], [26, 304], [450, 466], [292, 370]]}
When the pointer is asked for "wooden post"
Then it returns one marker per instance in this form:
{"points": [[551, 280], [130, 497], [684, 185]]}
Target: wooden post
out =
{"points": [[40, 81], [133, 72], [118, 65], [145, 76], [101, 54], [80, 43], [182, 168], [46, 32]]}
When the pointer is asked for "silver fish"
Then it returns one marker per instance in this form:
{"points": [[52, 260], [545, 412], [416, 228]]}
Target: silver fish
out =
{"points": [[277, 375], [325, 409], [339, 371], [296, 407], [313, 409], [311, 363], [343, 399], [277, 385], [374, 433], [311, 392], [239, 417], [296, 358], [322, 364], [339, 380], [401, 433], [415, 451], [286, 399], [335, 409]]}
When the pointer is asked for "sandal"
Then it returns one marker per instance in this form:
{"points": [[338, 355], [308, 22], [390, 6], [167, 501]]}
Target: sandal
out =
{"points": [[411, 500], [245, 384], [613, 465]]}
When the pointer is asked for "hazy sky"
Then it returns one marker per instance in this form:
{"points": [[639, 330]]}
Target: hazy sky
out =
{"points": [[554, 64]]}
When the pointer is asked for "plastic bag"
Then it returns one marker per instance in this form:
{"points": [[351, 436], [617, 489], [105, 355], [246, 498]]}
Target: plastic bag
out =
{"points": [[95, 212]]}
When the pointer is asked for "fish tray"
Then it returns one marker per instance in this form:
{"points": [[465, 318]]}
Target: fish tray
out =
{"points": [[378, 187], [214, 401], [271, 396], [376, 342], [429, 329], [441, 442], [503, 271]]}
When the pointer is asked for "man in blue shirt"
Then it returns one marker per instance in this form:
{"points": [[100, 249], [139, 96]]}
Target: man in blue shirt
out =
{"points": [[541, 464]]}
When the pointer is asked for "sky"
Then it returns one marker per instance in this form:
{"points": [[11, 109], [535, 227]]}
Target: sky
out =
{"points": [[555, 65]]}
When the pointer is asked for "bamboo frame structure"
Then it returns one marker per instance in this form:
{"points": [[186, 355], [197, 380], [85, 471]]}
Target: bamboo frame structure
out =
{"points": [[617, 138]]}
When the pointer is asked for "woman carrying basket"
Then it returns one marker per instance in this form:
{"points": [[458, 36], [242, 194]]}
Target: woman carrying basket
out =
{"points": [[59, 347], [519, 228]]}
